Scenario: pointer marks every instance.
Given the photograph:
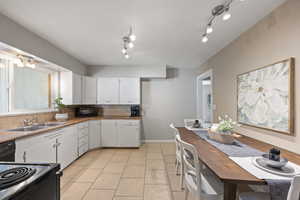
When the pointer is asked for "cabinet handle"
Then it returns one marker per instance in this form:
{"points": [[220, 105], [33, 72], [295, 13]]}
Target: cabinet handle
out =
{"points": [[24, 156]]}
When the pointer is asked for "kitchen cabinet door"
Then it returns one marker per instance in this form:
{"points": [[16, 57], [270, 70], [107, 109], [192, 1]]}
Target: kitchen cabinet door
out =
{"points": [[129, 91], [108, 91], [94, 134], [71, 88], [129, 133], [67, 146], [43, 152], [77, 89], [89, 90], [109, 133]]}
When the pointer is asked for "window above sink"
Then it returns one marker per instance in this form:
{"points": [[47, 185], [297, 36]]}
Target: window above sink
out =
{"points": [[27, 83]]}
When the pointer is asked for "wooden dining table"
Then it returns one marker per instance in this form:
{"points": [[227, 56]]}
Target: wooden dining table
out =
{"points": [[230, 173]]}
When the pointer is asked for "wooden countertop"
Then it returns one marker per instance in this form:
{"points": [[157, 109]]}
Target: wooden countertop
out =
{"points": [[6, 136], [226, 169]]}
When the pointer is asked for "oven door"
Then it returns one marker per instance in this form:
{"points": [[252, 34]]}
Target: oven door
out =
{"points": [[46, 188]]}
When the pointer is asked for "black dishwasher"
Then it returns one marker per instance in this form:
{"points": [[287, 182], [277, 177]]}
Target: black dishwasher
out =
{"points": [[7, 151]]}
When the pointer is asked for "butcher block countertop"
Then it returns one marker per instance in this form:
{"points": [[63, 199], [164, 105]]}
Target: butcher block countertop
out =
{"points": [[6, 136]]}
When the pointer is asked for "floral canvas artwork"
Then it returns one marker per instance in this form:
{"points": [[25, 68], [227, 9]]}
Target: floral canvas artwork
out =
{"points": [[265, 98]]}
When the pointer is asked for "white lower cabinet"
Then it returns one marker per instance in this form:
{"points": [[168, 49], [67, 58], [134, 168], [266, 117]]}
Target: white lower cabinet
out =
{"points": [[33, 154], [67, 148], [58, 146], [83, 138], [109, 133], [94, 134], [120, 133]]}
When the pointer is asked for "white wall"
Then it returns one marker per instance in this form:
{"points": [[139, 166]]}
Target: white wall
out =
{"points": [[275, 38], [164, 101], [17, 36], [168, 101]]}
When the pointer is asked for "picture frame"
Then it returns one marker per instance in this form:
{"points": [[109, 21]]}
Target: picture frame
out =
{"points": [[266, 97]]}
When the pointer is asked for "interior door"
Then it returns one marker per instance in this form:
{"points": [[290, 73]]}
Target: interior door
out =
{"points": [[108, 91], [109, 133], [129, 91]]}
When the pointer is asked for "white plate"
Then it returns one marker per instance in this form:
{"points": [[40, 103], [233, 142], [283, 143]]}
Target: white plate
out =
{"points": [[274, 172]]}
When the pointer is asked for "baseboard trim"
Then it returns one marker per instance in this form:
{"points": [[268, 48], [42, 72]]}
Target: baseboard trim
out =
{"points": [[158, 141]]}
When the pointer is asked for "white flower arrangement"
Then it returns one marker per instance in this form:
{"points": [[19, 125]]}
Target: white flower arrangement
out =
{"points": [[225, 126]]}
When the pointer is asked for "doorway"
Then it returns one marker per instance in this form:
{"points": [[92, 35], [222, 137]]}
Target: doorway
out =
{"points": [[204, 97]]}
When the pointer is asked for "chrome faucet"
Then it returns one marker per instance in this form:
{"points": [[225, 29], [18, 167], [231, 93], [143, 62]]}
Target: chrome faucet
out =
{"points": [[27, 122]]}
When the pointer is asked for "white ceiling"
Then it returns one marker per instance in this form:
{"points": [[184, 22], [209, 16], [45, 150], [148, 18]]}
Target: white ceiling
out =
{"points": [[168, 31]]}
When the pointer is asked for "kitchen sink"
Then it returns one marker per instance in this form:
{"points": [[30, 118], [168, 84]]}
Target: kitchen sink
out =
{"points": [[50, 124], [28, 128], [36, 127]]}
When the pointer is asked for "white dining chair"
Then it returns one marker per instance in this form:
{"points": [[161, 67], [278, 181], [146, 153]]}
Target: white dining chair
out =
{"points": [[293, 194], [194, 181], [178, 161]]}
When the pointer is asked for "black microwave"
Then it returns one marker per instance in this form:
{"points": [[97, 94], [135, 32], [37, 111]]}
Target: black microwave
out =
{"points": [[86, 112]]}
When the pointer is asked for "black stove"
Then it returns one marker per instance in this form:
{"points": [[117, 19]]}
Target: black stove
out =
{"points": [[22, 181]]}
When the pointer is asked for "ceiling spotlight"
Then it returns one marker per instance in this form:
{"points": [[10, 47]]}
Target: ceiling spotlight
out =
{"points": [[19, 62], [124, 51], [130, 45], [31, 65], [132, 37], [226, 15], [204, 38], [209, 29], [128, 40], [127, 56]]}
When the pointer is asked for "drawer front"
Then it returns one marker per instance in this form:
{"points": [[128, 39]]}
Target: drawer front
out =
{"points": [[83, 149], [83, 132], [83, 125], [129, 122], [83, 141]]}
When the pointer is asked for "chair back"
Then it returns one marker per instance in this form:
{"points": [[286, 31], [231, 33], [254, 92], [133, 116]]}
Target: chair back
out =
{"points": [[294, 192], [177, 142], [192, 167]]}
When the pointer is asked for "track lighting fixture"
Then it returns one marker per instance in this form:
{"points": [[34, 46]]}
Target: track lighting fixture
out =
{"points": [[128, 42], [226, 15], [222, 9], [204, 38], [25, 61]]}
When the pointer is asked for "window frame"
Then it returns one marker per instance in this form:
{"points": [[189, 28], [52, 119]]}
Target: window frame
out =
{"points": [[53, 78]]}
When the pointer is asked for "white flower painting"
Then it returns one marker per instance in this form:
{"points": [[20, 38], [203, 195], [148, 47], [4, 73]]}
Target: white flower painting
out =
{"points": [[264, 97]]}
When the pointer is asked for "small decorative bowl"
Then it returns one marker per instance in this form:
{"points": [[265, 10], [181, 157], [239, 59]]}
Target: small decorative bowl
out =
{"points": [[273, 163]]}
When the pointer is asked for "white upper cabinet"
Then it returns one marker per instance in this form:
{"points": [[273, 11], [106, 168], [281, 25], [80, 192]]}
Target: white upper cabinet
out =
{"points": [[89, 86], [71, 88], [118, 91], [129, 91], [108, 91]]}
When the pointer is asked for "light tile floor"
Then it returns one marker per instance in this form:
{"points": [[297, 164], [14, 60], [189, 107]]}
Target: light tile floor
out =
{"points": [[147, 173]]}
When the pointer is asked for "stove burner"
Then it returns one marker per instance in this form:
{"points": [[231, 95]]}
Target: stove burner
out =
{"points": [[14, 176]]}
